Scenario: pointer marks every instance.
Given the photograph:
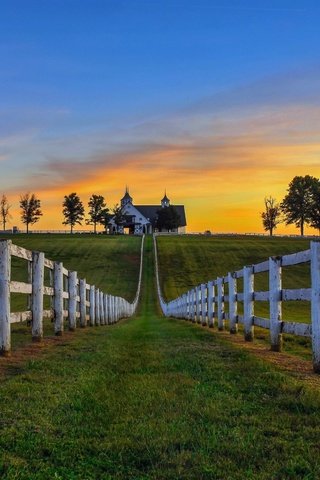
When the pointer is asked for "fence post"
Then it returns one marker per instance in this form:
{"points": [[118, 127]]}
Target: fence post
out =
{"points": [[275, 303], [107, 309], [29, 301], [220, 303], [58, 298], [197, 304], [101, 309], [113, 300], [203, 305], [248, 304], [97, 303], [5, 277], [116, 309], [83, 300], [37, 295], [112, 308], [210, 290], [92, 305], [315, 304], [72, 303], [233, 306], [187, 317]]}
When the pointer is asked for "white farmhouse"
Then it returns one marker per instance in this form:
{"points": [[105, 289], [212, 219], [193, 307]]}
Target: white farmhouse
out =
{"points": [[141, 219]]}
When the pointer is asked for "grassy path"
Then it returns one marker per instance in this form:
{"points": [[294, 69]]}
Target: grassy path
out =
{"points": [[151, 398]]}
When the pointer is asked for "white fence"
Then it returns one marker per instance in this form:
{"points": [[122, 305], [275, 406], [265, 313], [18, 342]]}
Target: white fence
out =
{"points": [[205, 303], [71, 298]]}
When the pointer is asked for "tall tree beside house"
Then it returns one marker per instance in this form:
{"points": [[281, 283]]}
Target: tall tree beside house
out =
{"points": [[5, 215], [30, 209], [167, 218], [271, 215], [315, 210], [105, 218], [118, 212], [297, 204], [73, 210], [97, 211]]}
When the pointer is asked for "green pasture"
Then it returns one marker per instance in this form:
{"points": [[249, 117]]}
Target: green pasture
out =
{"points": [[186, 261], [109, 262], [152, 398]]}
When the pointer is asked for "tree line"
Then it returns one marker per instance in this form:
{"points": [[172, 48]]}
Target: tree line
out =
{"points": [[72, 209], [74, 212], [300, 206]]}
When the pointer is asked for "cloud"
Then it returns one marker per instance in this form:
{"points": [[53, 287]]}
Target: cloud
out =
{"points": [[234, 147]]}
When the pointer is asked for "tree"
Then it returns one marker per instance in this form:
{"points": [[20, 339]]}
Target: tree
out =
{"points": [[315, 210], [4, 211], [105, 218], [271, 215], [97, 211], [297, 204], [30, 209], [167, 218], [73, 210], [118, 215]]}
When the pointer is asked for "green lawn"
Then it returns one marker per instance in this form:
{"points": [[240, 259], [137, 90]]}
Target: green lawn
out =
{"points": [[186, 261], [104, 260], [109, 262], [154, 398]]}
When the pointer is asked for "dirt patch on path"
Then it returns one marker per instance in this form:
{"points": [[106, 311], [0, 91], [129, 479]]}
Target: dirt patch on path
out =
{"points": [[297, 367], [14, 364]]}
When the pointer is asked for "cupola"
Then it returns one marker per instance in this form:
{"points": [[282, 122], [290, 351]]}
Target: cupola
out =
{"points": [[165, 202], [126, 199]]}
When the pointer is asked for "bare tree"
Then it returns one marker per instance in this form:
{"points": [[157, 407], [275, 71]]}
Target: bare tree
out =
{"points": [[30, 209], [4, 211], [271, 215]]}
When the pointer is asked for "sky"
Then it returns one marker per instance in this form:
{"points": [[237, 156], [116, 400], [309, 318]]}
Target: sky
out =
{"points": [[218, 102]]}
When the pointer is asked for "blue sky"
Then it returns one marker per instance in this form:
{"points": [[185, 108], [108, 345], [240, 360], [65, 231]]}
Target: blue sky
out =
{"points": [[86, 84]]}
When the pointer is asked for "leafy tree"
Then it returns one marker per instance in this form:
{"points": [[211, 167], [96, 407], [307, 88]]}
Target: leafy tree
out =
{"points": [[105, 218], [315, 210], [4, 211], [118, 215], [297, 204], [73, 210], [97, 211], [271, 215], [30, 209], [167, 218]]}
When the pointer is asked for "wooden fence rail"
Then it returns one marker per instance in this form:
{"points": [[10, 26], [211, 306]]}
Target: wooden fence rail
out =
{"points": [[71, 298], [205, 303]]}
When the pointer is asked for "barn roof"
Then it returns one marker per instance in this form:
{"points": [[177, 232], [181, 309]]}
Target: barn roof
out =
{"points": [[150, 212]]}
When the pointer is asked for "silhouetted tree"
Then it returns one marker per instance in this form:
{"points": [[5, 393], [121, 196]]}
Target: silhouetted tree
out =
{"points": [[271, 215], [315, 210], [73, 210], [167, 218], [30, 209], [297, 204], [4, 211], [97, 211], [118, 212], [105, 218]]}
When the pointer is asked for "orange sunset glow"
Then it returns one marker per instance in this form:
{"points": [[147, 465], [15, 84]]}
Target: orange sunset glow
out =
{"points": [[224, 197]]}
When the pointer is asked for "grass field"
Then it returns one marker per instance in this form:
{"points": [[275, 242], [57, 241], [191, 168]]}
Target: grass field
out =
{"points": [[109, 262], [186, 261], [105, 261], [155, 399]]}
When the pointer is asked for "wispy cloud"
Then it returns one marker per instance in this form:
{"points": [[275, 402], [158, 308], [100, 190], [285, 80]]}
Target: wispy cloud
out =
{"points": [[245, 143]]}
